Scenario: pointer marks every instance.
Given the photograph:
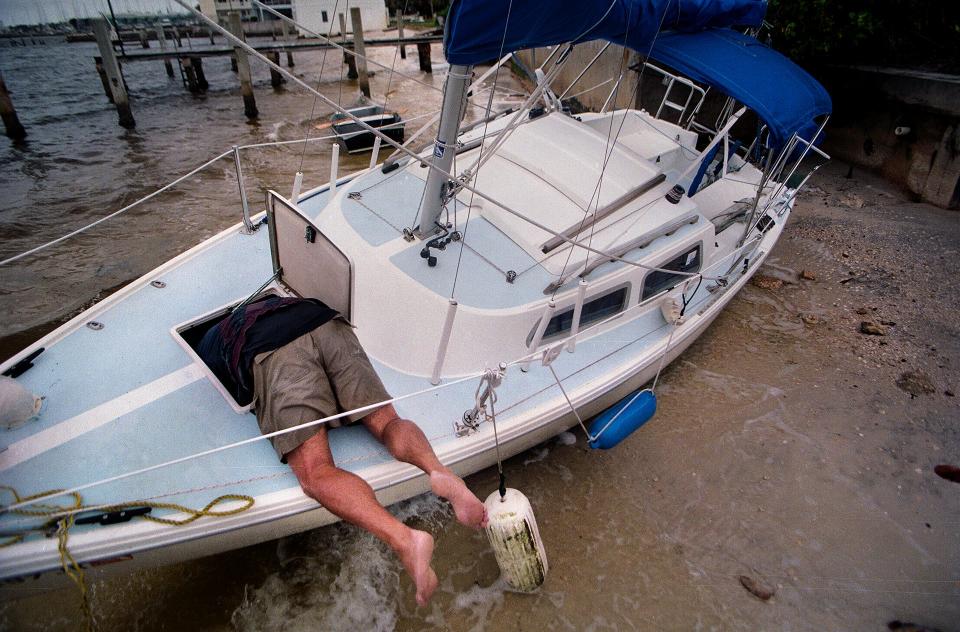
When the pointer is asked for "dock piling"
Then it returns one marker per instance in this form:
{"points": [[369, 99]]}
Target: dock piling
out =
{"points": [[103, 78], [348, 59], [162, 39], [276, 79], [101, 30], [286, 38], [144, 42], [403, 48], [243, 67], [188, 71], [197, 63], [423, 52], [361, 60], [11, 123], [212, 41]]}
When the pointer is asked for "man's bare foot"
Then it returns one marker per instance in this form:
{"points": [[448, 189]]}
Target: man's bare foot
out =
{"points": [[415, 557], [470, 511]]}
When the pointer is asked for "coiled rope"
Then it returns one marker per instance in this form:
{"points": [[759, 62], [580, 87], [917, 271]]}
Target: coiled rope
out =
{"points": [[63, 524]]}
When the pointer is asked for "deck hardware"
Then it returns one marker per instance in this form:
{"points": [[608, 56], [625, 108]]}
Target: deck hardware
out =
{"points": [[511, 276], [408, 234], [439, 242], [111, 517], [23, 365], [158, 284], [355, 195], [95, 325], [310, 234], [675, 194]]}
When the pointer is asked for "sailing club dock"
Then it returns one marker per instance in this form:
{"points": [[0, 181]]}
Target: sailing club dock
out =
{"points": [[181, 55]]}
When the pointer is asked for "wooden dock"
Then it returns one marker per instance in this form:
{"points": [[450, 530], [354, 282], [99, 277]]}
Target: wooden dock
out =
{"points": [[189, 60], [156, 54]]}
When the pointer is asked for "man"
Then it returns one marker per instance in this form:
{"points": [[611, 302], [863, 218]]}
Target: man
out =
{"points": [[297, 360]]}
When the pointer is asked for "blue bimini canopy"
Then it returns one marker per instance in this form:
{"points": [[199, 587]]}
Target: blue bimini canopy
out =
{"points": [[481, 30], [782, 94]]}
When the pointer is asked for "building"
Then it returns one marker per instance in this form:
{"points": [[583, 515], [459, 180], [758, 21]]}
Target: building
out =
{"points": [[255, 19], [315, 15], [318, 15]]}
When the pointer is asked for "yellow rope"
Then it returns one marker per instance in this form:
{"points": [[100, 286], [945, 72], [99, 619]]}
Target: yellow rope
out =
{"points": [[70, 566]]}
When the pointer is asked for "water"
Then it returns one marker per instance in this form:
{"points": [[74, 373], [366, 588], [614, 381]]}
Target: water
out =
{"points": [[775, 453]]}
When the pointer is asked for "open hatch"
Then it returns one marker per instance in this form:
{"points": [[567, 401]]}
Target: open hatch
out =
{"points": [[305, 263]]}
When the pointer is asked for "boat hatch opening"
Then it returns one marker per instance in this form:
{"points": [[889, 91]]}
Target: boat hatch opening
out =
{"points": [[659, 281], [305, 261], [189, 335], [593, 310]]}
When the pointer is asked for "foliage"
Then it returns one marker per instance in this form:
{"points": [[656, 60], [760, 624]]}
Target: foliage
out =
{"points": [[922, 33]]}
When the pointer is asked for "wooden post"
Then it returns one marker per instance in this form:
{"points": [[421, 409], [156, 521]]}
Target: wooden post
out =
{"points": [[361, 59], [187, 64], [423, 52], [115, 79], [403, 48], [243, 68], [103, 78], [162, 38], [197, 63], [276, 79], [176, 37], [144, 42], [9, 115], [348, 59], [286, 38]]}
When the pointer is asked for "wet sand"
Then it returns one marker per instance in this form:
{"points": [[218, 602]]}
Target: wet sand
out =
{"points": [[783, 450]]}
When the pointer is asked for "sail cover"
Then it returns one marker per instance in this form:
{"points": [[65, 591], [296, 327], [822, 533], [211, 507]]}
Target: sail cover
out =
{"points": [[782, 94], [481, 30]]}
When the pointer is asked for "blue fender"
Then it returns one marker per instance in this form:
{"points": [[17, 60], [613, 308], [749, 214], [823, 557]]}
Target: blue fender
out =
{"points": [[620, 420]]}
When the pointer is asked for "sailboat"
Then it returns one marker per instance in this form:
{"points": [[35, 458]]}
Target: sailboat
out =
{"points": [[509, 281]]}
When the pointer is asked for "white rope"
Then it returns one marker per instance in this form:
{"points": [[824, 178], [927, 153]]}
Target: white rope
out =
{"points": [[114, 214], [236, 444]]}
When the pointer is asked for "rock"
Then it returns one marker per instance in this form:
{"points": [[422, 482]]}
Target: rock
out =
{"points": [[861, 311], [852, 200], [948, 472], [888, 323], [756, 589], [871, 328], [766, 282], [916, 383], [808, 275], [948, 393], [809, 319]]}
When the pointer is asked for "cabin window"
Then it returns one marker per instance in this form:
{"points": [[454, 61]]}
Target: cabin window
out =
{"points": [[660, 281], [593, 310], [323, 16]]}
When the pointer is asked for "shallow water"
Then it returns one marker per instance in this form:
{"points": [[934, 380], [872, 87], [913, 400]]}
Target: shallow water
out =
{"points": [[780, 451]]}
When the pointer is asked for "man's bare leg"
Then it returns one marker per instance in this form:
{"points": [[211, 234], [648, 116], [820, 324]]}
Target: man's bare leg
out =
{"points": [[407, 443], [352, 499]]}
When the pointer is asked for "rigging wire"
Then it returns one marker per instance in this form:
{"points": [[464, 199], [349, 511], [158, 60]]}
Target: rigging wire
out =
{"points": [[476, 177], [323, 63], [610, 147]]}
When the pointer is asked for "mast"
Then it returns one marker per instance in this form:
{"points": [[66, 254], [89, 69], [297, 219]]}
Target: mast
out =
{"points": [[444, 149]]}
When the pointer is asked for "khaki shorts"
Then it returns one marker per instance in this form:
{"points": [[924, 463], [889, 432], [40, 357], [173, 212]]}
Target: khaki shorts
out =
{"points": [[321, 373]]}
